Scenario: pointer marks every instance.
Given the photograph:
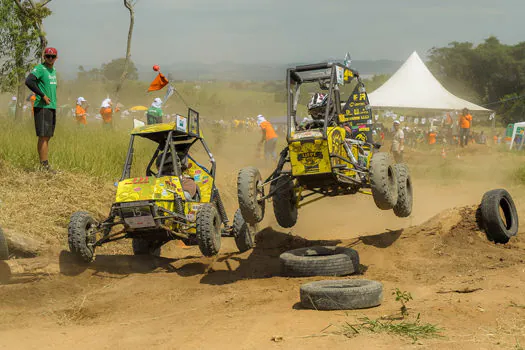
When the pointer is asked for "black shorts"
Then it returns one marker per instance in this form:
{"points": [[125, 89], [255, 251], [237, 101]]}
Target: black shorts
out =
{"points": [[45, 121]]}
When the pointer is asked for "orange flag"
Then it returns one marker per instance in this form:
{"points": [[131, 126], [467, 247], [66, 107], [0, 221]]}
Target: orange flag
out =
{"points": [[158, 83]]}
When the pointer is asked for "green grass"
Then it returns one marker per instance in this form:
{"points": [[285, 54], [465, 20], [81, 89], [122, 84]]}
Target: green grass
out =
{"points": [[414, 330], [91, 150]]}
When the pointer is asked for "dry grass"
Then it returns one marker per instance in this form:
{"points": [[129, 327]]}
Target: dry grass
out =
{"points": [[39, 204]]}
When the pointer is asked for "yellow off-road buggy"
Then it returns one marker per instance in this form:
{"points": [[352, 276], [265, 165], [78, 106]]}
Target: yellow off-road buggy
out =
{"points": [[329, 153], [176, 198]]}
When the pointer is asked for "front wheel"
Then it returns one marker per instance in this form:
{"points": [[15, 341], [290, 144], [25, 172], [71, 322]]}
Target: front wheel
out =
{"points": [[208, 230], [248, 193], [81, 236], [243, 232]]}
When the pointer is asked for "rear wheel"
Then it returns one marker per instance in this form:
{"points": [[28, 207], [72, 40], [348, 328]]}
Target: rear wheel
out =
{"points": [[143, 246], [81, 236], [403, 207], [248, 193], [285, 202], [383, 180], [243, 232], [208, 229]]}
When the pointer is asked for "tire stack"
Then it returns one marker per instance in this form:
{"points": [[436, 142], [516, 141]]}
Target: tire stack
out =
{"points": [[346, 294]]}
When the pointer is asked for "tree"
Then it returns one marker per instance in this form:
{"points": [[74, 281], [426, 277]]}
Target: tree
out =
{"points": [[20, 45], [493, 70], [129, 4], [115, 69], [35, 12]]}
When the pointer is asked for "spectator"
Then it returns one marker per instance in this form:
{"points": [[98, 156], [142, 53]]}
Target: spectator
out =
{"points": [[465, 123], [43, 82], [81, 112], [432, 135], [398, 143], [482, 138], [106, 112], [12, 107], [154, 113], [269, 138]]}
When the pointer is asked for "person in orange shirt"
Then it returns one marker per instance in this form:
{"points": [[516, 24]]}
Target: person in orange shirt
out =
{"points": [[106, 111], [432, 137], [32, 98], [81, 111], [269, 138], [465, 123]]}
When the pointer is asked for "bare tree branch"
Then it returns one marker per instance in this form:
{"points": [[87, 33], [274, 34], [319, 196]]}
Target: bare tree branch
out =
{"points": [[129, 5]]}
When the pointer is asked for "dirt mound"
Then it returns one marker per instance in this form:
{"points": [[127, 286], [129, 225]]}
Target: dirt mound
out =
{"points": [[450, 243]]}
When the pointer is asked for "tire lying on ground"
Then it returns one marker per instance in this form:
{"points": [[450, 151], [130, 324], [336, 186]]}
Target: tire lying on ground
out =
{"points": [[319, 261], [499, 217], [341, 294], [383, 180], [403, 207], [285, 202], [4, 250], [248, 180]]}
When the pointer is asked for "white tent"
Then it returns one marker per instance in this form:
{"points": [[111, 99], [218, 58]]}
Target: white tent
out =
{"points": [[516, 126], [413, 86]]}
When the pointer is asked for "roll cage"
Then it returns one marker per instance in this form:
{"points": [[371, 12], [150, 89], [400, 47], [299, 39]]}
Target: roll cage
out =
{"points": [[174, 139], [326, 75]]}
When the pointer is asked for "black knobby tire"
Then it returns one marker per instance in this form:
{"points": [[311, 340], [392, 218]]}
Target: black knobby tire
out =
{"points": [[4, 249], [341, 294], [403, 207], [143, 246], [319, 261], [383, 180], [248, 180], [285, 202], [243, 232], [79, 236], [208, 229], [499, 216]]}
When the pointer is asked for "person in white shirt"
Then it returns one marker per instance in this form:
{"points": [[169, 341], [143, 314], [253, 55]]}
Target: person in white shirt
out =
{"points": [[398, 144]]}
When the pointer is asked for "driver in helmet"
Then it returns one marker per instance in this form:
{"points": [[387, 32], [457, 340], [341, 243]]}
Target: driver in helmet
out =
{"points": [[317, 105], [189, 187]]}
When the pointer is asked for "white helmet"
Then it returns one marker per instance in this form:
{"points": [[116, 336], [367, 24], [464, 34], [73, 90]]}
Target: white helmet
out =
{"points": [[316, 106]]}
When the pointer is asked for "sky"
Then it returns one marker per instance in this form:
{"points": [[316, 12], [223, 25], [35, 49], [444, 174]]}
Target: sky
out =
{"points": [[92, 32]]}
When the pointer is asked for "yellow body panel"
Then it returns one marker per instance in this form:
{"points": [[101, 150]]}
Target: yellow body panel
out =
{"points": [[309, 157], [160, 190]]}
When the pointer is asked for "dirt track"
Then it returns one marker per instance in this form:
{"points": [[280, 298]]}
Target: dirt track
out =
{"points": [[184, 301]]}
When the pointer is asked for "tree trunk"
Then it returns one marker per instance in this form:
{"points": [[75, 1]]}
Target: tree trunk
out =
{"points": [[129, 6], [20, 98]]}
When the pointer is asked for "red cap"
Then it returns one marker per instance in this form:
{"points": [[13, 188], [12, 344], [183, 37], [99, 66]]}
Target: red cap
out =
{"points": [[50, 51]]}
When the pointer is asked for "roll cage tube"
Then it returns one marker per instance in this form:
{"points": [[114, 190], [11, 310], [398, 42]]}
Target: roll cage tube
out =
{"points": [[212, 160], [129, 159], [329, 102]]}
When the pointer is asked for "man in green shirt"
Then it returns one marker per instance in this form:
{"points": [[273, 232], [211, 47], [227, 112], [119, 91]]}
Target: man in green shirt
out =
{"points": [[43, 82], [154, 113]]}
